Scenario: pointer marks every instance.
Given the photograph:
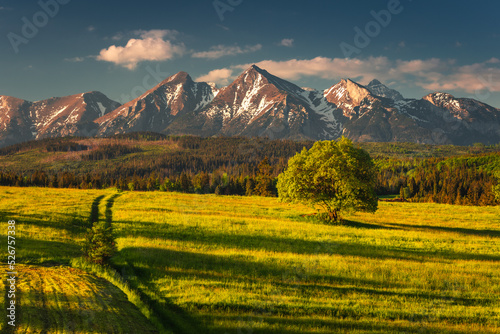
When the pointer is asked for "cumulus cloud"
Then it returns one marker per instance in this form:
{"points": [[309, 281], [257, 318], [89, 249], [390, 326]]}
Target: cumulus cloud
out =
{"points": [[472, 78], [219, 51], [221, 76], [325, 68], [288, 42], [432, 74], [152, 45]]}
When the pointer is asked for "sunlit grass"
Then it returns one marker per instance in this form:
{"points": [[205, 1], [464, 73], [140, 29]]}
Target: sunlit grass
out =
{"points": [[235, 263], [68, 300], [216, 264]]}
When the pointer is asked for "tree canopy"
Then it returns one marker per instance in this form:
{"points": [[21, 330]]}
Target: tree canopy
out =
{"points": [[333, 175]]}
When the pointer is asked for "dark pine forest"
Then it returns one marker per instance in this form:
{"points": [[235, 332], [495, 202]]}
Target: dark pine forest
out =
{"points": [[242, 166]]}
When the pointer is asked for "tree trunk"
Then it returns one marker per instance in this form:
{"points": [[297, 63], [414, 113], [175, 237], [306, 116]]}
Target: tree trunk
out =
{"points": [[333, 215]]}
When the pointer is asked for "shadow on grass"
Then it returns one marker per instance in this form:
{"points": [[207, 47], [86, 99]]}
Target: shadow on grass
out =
{"points": [[94, 210], [98, 312], [152, 264], [181, 265], [237, 239], [73, 224], [109, 209], [45, 252], [172, 316], [360, 225], [281, 325], [467, 231]]}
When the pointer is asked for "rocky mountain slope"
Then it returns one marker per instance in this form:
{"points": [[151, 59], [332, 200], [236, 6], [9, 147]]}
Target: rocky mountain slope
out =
{"points": [[22, 120], [156, 109], [258, 103]]}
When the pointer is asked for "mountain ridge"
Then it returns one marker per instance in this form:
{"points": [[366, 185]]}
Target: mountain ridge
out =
{"points": [[257, 103]]}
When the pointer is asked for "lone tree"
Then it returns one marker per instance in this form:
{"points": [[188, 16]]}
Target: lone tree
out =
{"points": [[100, 244], [334, 175]]}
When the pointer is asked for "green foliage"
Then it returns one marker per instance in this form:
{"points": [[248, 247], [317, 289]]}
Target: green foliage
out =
{"points": [[334, 175], [100, 244], [149, 162], [467, 180], [131, 186], [496, 192], [404, 193]]}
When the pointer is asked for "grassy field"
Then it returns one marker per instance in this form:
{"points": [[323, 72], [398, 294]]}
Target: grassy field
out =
{"points": [[215, 264], [68, 300]]}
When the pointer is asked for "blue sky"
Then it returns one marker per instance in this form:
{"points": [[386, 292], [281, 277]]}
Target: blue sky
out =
{"points": [[122, 48]]}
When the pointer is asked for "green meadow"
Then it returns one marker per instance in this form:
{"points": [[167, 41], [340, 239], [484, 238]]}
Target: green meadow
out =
{"points": [[221, 264]]}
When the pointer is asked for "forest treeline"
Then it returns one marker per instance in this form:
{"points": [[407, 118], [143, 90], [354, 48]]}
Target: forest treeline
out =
{"points": [[247, 166]]}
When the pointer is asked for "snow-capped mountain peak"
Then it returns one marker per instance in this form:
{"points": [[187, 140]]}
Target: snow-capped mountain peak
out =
{"points": [[257, 103], [379, 89], [157, 108]]}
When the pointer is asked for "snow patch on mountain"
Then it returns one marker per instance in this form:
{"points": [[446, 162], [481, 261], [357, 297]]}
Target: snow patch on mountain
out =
{"points": [[102, 108]]}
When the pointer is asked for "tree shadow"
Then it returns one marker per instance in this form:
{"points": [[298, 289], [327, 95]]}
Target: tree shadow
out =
{"points": [[236, 239], [44, 252], [336, 322], [109, 209], [94, 210], [466, 231], [73, 224], [158, 263], [141, 278], [105, 309], [356, 224]]}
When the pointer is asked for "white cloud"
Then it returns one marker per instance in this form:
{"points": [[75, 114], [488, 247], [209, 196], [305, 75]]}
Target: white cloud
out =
{"points": [[325, 68], [90, 28], [431, 74], [472, 78], [152, 45], [221, 76], [219, 51], [288, 42]]}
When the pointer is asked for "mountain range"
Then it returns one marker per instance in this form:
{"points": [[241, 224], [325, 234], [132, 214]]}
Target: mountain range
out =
{"points": [[257, 103]]}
